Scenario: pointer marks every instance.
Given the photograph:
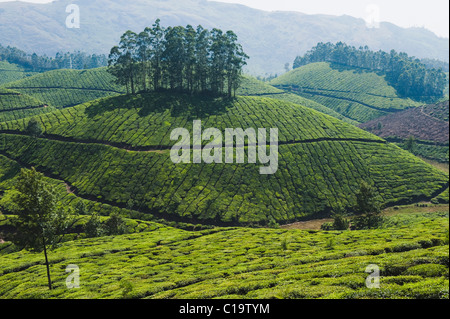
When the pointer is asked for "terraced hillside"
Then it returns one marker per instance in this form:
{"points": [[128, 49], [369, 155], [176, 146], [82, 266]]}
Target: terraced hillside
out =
{"points": [[253, 87], [15, 105], [427, 124], [160, 262], [12, 72], [116, 149], [64, 88], [357, 94]]}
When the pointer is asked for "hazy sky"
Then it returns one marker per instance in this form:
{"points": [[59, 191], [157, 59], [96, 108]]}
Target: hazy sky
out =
{"points": [[431, 14]]}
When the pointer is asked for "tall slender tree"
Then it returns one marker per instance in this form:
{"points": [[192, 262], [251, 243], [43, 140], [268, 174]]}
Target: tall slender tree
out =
{"points": [[178, 58], [40, 222]]}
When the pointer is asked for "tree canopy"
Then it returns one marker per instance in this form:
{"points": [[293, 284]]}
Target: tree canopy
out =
{"points": [[178, 58], [37, 63], [40, 220], [409, 76]]}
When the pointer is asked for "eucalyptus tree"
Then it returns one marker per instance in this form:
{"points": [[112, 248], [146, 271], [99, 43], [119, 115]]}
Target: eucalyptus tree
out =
{"points": [[178, 58], [122, 61]]}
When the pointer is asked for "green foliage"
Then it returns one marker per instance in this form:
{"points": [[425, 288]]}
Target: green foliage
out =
{"points": [[64, 88], [34, 128], [127, 288], [367, 208], [10, 72], [14, 105], [437, 153], [410, 144], [243, 263], [177, 58], [40, 222], [340, 222], [94, 227], [407, 75], [253, 87], [360, 95], [123, 143], [115, 225], [35, 63]]}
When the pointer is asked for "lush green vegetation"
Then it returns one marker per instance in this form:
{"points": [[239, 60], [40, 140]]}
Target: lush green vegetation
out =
{"points": [[35, 63], [163, 262], [358, 94], [178, 58], [63, 88], [108, 150], [250, 86], [14, 105], [146, 120], [11, 72], [409, 76], [434, 152]]}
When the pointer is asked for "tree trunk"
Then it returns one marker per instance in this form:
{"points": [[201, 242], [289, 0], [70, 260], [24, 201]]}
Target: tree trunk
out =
{"points": [[46, 263]]}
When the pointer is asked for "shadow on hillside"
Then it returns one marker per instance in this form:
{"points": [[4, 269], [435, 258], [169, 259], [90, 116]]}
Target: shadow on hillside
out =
{"points": [[178, 104]]}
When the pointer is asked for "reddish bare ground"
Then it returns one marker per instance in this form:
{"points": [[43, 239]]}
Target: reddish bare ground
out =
{"points": [[426, 123]]}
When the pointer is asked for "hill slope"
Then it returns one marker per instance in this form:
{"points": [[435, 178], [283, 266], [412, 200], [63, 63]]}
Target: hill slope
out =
{"points": [[252, 87], [14, 105], [116, 149], [356, 94], [166, 263], [427, 124], [270, 38], [63, 88], [12, 72]]}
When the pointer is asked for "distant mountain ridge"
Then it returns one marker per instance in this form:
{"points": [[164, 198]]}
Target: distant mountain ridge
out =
{"points": [[272, 39]]}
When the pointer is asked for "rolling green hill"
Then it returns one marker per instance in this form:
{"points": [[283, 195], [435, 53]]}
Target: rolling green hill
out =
{"points": [[357, 94], [12, 72], [116, 149], [64, 88], [252, 87], [14, 105]]}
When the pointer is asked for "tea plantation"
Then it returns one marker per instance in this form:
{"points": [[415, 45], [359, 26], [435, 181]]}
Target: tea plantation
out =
{"points": [[212, 230], [116, 149], [165, 262], [64, 88], [14, 105], [357, 94]]}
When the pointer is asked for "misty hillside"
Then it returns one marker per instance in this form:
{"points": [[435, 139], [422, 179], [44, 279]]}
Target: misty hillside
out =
{"points": [[271, 39]]}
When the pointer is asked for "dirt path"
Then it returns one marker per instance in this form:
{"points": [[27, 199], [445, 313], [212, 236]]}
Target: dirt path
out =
{"points": [[315, 224]]}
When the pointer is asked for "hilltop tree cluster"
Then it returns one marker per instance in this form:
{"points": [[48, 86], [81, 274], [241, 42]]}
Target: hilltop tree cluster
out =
{"points": [[33, 62], [409, 76], [178, 58]]}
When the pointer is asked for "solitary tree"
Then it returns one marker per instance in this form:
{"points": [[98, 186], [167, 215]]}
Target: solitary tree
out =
{"points": [[115, 225], [34, 128], [410, 144], [367, 207], [340, 222], [40, 222]]}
